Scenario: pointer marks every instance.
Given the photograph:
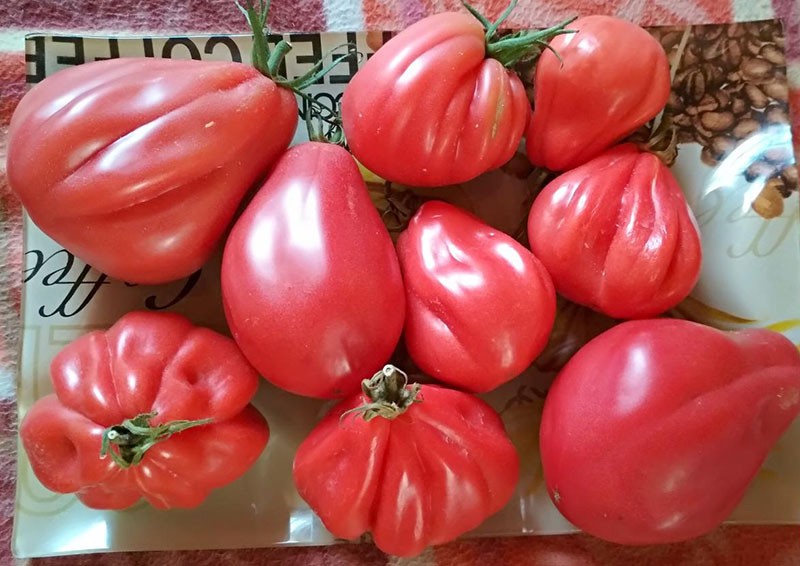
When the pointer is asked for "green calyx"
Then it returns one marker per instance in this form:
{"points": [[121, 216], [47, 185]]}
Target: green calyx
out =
{"points": [[389, 394], [521, 46], [269, 60], [128, 442]]}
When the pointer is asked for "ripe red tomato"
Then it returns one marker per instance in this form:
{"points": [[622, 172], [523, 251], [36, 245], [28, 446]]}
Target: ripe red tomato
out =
{"points": [[432, 91], [612, 77], [480, 306], [137, 166], [159, 372], [420, 467], [310, 279], [653, 431], [617, 235]]}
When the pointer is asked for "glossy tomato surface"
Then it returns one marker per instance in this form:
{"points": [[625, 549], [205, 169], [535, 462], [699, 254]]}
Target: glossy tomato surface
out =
{"points": [[310, 279], [611, 78], [480, 306], [137, 166], [422, 478], [654, 430], [432, 91], [146, 363], [617, 235]]}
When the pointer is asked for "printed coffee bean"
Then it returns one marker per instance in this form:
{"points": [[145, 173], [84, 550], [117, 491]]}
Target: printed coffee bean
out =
{"points": [[745, 127], [771, 53], [713, 74], [674, 103], [707, 104], [756, 96], [685, 136], [739, 106], [753, 46], [777, 89], [682, 121], [707, 157], [671, 39], [723, 98], [722, 146], [691, 56], [790, 181], [732, 54], [701, 130], [714, 50], [717, 121], [754, 69], [769, 202], [695, 85]]}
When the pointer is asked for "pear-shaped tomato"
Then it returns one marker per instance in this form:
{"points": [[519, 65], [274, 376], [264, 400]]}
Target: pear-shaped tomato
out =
{"points": [[617, 235], [653, 431], [480, 305], [310, 279], [137, 166], [608, 79]]}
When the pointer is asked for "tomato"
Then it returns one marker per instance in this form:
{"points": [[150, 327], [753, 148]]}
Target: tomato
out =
{"points": [[441, 91], [168, 400], [612, 77], [654, 430], [137, 166], [311, 284], [617, 235], [480, 306], [420, 466]]}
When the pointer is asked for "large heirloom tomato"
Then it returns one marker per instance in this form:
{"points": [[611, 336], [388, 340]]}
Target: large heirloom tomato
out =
{"points": [[310, 279], [154, 408], [617, 235], [137, 166], [480, 306], [608, 79], [412, 465], [653, 431], [440, 91]]}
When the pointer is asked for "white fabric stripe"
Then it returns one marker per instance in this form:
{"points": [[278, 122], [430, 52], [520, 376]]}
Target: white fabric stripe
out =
{"points": [[344, 15], [749, 10], [12, 40]]}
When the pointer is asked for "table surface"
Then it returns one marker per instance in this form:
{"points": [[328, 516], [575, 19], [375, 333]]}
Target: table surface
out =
{"points": [[763, 545]]}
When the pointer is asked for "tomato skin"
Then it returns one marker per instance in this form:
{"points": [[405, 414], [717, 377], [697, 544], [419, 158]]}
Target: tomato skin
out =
{"points": [[432, 91], [311, 284], [423, 478], [614, 79], [480, 306], [617, 235], [146, 362], [137, 166], [654, 430]]}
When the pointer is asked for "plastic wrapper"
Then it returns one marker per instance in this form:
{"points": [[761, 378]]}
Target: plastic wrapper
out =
{"points": [[733, 158]]}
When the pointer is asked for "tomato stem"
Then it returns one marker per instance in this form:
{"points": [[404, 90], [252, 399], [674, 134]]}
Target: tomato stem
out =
{"points": [[128, 442], [389, 394], [269, 62], [526, 45]]}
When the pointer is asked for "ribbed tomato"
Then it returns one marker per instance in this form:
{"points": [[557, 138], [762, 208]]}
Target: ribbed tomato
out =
{"points": [[609, 78]]}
